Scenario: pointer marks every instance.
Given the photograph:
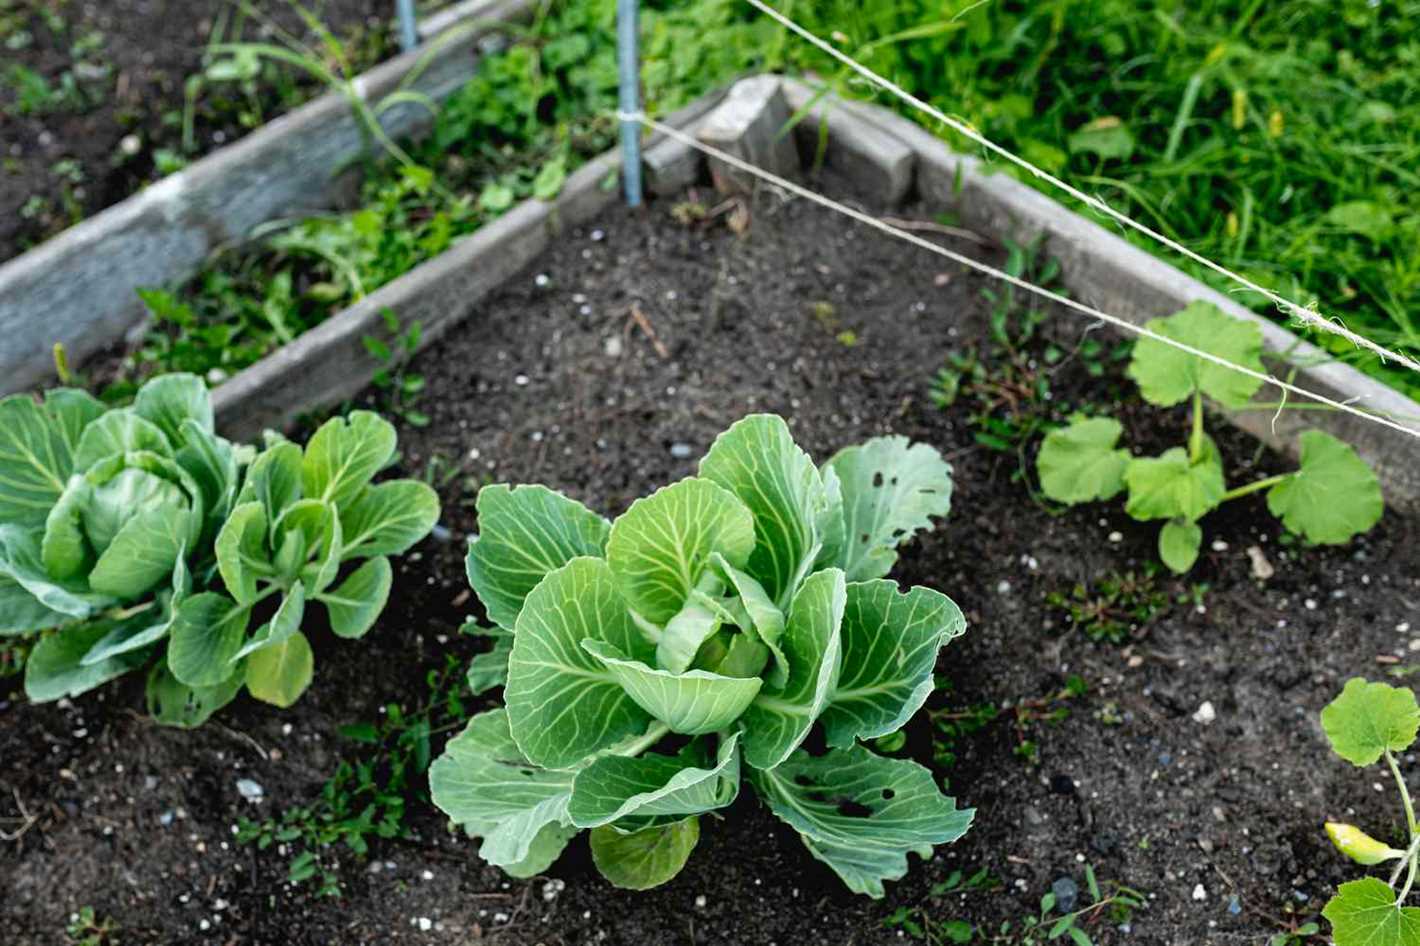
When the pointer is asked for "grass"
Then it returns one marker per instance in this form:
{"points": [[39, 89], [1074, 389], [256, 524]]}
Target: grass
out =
{"points": [[1280, 139]]}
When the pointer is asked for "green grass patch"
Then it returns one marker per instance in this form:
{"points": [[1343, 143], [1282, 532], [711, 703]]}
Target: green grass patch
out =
{"points": [[1282, 140]]}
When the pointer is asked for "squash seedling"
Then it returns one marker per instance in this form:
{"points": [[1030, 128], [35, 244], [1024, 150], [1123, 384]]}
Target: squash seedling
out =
{"points": [[1366, 723], [651, 662], [1333, 496], [136, 537]]}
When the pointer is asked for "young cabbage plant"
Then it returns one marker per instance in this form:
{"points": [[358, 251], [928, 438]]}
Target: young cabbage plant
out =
{"points": [[1366, 723], [1330, 498], [653, 662], [137, 537]]}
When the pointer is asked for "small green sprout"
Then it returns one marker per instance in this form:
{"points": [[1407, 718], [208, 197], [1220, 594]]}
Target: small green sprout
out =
{"points": [[1332, 497], [1366, 723]]}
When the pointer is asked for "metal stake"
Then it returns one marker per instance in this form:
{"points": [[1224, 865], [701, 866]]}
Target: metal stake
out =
{"points": [[628, 61], [408, 25]]}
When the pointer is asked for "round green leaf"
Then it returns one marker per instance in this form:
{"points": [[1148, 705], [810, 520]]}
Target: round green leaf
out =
{"points": [[614, 786], [1179, 541], [861, 814], [1364, 913], [1367, 719], [1168, 376], [358, 601], [174, 703], [344, 455], [1169, 486], [242, 555], [1082, 463], [35, 461], [660, 547], [169, 400], [1334, 495], [388, 518], [206, 634], [646, 858], [280, 673], [483, 782]]}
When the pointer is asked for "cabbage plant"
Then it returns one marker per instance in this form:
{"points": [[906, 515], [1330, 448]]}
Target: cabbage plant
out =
{"points": [[136, 537], [655, 662]]}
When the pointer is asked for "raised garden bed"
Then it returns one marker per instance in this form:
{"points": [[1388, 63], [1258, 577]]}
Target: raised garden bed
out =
{"points": [[1074, 750], [79, 288]]}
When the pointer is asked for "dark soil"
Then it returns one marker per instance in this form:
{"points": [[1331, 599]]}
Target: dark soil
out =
{"points": [[555, 384], [116, 71]]}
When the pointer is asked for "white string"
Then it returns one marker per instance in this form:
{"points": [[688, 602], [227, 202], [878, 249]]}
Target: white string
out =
{"points": [[1306, 315], [678, 135]]}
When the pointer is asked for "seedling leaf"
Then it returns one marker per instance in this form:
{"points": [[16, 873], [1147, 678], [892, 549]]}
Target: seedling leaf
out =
{"points": [[1168, 376], [1081, 463], [1367, 719], [1364, 913], [1332, 497], [1169, 486], [1179, 541]]}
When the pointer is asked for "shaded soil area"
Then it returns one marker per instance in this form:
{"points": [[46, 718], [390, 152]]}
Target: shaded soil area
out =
{"points": [[94, 99], [552, 381]]}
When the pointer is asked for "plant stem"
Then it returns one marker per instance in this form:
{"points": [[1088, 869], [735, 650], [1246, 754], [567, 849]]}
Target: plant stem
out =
{"points": [[1256, 487], [1404, 793], [1195, 440], [653, 735]]}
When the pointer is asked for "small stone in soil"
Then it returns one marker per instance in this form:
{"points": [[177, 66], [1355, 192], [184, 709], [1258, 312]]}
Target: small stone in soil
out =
{"points": [[1205, 713], [1067, 892], [251, 791], [1199, 893], [1234, 907], [680, 450]]}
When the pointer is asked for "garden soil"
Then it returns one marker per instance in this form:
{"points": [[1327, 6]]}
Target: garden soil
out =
{"points": [[128, 62], [1192, 768]]}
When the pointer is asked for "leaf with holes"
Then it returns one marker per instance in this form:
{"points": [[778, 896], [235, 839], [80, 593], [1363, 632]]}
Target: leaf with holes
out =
{"points": [[861, 814], [891, 489], [705, 611], [890, 644]]}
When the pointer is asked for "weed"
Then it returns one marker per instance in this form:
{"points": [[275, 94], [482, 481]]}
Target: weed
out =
{"points": [[920, 923], [400, 388], [1116, 608], [367, 796], [85, 928], [14, 651]]}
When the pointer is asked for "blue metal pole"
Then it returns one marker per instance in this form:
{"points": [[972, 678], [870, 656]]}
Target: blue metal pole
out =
{"points": [[629, 63], [408, 25]]}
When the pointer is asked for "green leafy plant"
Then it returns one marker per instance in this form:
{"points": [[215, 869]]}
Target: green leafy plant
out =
{"points": [[1366, 723], [1333, 495], [137, 537], [714, 622]]}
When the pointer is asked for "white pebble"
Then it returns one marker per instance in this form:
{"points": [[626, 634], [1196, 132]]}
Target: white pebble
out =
{"points": [[425, 924], [541, 279], [1205, 713], [520, 380], [251, 791], [1199, 893], [1116, 536]]}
